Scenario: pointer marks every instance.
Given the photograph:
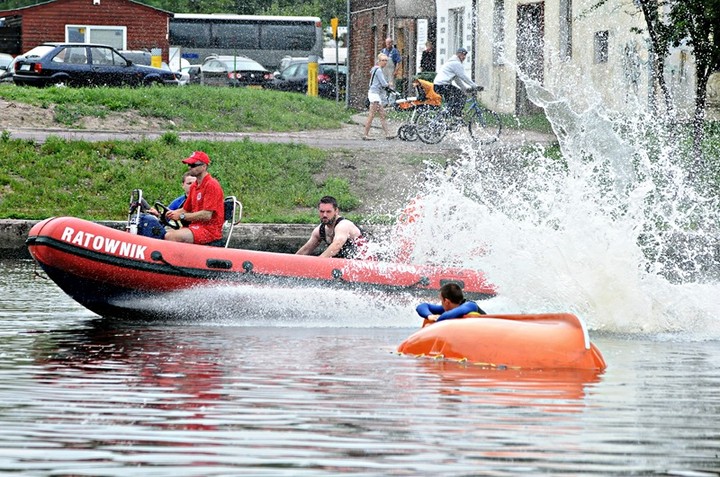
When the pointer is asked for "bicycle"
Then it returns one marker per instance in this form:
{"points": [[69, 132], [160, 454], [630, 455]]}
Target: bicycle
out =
{"points": [[412, 104], [483, 124]]}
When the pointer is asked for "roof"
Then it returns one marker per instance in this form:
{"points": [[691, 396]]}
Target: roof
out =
{"points": [[27, 7], [69, 43]]}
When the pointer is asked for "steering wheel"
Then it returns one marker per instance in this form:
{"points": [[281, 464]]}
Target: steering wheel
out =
{"points": [[162, 210]]}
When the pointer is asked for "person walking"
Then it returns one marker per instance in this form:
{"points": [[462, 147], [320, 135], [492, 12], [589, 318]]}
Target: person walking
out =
{"points": [[376, 91]]}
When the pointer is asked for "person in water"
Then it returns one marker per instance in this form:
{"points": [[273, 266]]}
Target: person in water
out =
{"points": [[344, 239], [452, 305]]}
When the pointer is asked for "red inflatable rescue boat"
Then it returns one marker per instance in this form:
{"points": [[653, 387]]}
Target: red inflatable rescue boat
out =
{"points": [[107, 270]]}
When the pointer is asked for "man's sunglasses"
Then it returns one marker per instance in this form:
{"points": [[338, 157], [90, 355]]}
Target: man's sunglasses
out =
{"points": [[197, 164]]}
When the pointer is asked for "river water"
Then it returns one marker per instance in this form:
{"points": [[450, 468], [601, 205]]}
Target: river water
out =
{"points": [[84, 395]]}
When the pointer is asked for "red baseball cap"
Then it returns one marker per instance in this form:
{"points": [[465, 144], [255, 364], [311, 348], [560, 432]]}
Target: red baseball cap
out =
{"points": [[197, 156]]}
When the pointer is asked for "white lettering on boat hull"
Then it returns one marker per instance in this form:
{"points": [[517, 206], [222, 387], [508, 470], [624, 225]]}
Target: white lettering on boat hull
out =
{"points": [[100, 243]]}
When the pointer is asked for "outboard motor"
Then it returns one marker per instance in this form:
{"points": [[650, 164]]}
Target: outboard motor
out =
{"points": [[140, 223], [136, 200]]}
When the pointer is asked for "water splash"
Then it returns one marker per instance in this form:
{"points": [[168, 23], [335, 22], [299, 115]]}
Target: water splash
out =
{"points": [[614, 231], [298, 307]]}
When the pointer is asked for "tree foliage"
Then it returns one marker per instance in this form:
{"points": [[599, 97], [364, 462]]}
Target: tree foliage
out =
{"points": [[695, 24]]}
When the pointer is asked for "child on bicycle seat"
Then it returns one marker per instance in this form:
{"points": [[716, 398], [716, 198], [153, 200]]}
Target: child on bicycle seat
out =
{"points": [[426, 93], [453, 71]]}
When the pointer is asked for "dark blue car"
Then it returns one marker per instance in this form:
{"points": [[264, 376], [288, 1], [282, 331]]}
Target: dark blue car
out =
{"points": [[294, 77], [80, 64]]}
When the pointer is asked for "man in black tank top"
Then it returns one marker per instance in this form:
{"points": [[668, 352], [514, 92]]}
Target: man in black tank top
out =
{"points": [[343, 238]]}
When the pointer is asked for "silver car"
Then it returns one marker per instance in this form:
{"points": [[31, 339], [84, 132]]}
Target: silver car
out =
{"points": [[7, 63]]}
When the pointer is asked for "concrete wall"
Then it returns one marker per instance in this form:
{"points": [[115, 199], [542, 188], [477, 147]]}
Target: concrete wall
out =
{"points": [[284, 238], [578, 77]]}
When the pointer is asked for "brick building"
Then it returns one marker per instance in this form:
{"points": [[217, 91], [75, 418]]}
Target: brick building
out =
{"points": [[123, 24], [408, 22]]}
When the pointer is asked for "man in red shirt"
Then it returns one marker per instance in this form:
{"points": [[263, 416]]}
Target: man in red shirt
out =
{"points": [[204, 208]]}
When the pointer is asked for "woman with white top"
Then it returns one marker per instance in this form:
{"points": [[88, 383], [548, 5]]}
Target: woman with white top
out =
{"points": [[376, 90]]}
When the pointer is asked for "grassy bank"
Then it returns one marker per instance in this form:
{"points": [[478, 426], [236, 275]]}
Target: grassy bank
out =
{"points": [[191, 108], [276, 182], [93, 180]]}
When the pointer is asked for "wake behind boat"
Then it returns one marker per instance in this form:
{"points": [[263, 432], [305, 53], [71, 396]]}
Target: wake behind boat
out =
{"points": [[107, 270]]}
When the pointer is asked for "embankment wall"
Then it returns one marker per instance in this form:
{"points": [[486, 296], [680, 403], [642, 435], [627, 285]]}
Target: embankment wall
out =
{"points": [[284, 238]]}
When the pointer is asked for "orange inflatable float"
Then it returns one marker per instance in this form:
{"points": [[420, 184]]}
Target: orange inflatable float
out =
{"points": [[542, 341]]}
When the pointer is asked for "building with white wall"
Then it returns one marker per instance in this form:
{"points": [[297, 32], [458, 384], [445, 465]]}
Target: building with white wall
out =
{"points": [[584, 54]]}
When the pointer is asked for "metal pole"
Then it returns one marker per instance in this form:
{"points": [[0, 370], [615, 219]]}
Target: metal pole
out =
{"points": [[312, 88], [473, 47], [348, 59]]}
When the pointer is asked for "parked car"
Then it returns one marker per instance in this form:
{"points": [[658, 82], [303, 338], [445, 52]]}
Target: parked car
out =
{"points": [[287, 60], [182, 76], [80, 64], [5, 60], [294, 78], [142, 57], [7, 75], [234, 71], [336, 71], [193, 72], [6, 70]]}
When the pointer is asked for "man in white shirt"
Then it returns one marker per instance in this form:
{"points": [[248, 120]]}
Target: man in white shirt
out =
{"points": [[453, 71]]}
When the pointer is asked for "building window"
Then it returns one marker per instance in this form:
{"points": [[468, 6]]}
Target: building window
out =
{"points": [[565, 29], [455, 26], [115, 36], [498, 47], [601, 46]]}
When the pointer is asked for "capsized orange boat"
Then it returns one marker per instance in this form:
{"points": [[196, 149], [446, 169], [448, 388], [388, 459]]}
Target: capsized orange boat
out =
{"points": [[541, 341]]}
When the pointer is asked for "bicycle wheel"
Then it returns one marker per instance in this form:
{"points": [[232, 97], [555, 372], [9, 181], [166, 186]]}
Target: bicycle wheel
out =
{"points": [[408, 132], [485, 126], [431, 127]]}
